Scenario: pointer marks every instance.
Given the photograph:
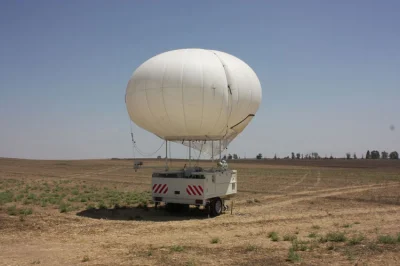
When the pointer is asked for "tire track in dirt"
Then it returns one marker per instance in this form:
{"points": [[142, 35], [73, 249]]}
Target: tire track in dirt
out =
{"points": [[247, 219], [310, 195], [301, 180], [295, 183], [269, 195], [318, 179]]}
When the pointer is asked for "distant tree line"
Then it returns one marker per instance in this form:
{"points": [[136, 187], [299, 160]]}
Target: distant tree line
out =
{"points": [[231, 157], [394, 155]]}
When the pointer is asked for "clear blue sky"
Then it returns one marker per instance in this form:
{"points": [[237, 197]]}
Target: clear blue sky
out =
{"points": [[330, 72]]}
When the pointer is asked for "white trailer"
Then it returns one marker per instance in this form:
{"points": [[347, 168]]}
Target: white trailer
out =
{"points": [[195, 186]]}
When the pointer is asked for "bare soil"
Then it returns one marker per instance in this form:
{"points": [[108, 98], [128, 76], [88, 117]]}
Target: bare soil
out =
{"points": [[340, 213]]}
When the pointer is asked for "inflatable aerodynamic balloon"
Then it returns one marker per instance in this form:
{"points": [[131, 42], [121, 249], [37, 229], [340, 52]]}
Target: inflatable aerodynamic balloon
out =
{"points": [[204, 97]]}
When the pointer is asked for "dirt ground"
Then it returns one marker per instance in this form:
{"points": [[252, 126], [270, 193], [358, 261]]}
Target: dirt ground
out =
{"points": [[286, 212]]}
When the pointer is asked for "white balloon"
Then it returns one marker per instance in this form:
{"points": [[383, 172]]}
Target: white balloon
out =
{"points": [[193, 94]]}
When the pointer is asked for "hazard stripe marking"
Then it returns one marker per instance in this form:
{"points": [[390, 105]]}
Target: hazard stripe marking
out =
{"points": [[158, 187], [191, 190], [162, 188], [197, 190]]}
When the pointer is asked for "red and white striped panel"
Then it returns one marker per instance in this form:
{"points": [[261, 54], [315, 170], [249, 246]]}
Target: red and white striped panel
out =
{"points": [[194, 190], [160, 188]]}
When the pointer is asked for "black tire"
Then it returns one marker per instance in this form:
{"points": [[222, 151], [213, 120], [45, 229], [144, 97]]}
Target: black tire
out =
{"points": [[216, 207]]}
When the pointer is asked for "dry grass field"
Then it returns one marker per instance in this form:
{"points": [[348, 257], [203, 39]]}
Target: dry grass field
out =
{"points": [[93, 212]]}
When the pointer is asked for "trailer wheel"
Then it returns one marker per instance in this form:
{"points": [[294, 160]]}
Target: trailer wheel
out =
{"points": [[216, 207]]}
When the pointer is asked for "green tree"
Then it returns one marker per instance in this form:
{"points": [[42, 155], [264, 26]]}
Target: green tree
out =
{"points": [[293, 156], [348, 156], [355, 156], [385, 155], [259, 156], [368, 155], [298, 156], [235, 156], [394, 155], [375, 154]]}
